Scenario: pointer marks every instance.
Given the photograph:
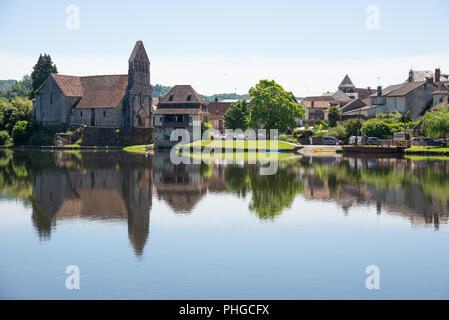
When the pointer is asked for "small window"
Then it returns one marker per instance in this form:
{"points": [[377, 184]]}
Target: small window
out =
{"points": [[171, 98], [81, 113], [104, 114], [217, 112], [51, 98], [189, 98]]}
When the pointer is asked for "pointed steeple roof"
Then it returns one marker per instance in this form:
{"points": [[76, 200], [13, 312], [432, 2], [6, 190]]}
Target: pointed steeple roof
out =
{"points": [[138, 49], [346, 83]]}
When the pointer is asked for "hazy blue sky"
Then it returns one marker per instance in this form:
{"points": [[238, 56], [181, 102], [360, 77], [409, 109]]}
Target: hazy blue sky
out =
{"points": [[308, 46]]}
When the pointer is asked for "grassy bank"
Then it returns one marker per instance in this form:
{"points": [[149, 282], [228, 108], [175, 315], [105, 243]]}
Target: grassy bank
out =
{"points": [[428, 150], [241, 156], [139, 149], [242, 144], [427, 158]]}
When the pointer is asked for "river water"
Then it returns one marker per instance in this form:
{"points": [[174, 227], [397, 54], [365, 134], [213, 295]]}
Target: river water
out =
{"points": [[139, 227]]}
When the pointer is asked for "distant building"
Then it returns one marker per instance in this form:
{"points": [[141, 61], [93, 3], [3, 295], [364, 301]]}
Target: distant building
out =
{"points": [[181, 108], [423, 75], [317, 107], [121, 101], [216, 112], [413, 97]]}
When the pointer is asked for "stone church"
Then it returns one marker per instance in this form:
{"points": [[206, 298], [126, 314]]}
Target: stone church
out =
{"points": [[118, 101]]}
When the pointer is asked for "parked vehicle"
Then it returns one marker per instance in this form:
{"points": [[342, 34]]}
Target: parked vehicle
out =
{"points": [[359, 140], [373, 140], [416, 141], [330, 141], [432, 142]]}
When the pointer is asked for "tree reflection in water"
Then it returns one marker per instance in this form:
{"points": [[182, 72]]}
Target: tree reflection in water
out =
{"points": [[116, 185]]}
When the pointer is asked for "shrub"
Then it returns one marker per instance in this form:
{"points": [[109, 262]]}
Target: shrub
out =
{"points": [[41, 139], [299, 134], [21, 132], [338, 132], [283, 137], [320, 133], [4, 136], [352, 127], [375, 128]]}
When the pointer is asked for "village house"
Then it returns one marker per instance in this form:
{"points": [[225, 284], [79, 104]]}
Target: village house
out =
{"points": [[317, 108], [181, 108], [413, 97], [216, 112], [118, 101]]}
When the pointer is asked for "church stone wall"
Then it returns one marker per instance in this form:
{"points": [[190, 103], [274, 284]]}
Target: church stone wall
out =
{"points": [[98, 136]]}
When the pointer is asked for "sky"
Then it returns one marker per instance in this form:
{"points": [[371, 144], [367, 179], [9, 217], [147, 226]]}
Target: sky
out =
{"points": [[228, 46]]}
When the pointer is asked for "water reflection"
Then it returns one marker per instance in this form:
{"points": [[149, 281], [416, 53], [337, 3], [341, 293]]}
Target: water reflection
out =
{"points": [[118, 186]]}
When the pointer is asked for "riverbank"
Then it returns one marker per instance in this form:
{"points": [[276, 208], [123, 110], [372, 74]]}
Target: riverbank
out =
{"points": [[142, 149], [244, 145], [442, 151]]}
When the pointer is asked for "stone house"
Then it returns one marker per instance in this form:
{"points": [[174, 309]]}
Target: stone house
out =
{"points": [[216, 112], [119, 101], [181, 108], [413, 97]]}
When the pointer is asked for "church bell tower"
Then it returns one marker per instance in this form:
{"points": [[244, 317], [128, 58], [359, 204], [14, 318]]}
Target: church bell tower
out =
{"points": [[139, 103]]}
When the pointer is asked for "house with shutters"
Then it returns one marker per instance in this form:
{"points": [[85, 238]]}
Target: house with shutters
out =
{"points": [[118, 101], [181, 108]]}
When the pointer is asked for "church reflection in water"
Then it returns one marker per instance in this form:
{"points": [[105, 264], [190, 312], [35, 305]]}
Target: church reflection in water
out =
{"points": [[118, 186]]}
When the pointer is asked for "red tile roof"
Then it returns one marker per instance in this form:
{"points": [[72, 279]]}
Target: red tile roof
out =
{"points": [[217, 110], [95, 91]]}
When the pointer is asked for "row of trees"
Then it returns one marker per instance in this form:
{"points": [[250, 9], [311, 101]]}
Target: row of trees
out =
{"points": [[270, 106]]}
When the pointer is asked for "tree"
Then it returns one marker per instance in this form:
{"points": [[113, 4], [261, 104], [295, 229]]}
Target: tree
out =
{"points": [[436, 123], [352, 127], [376, 128], [236, 117], [273, 107], [21, 132], [334, 116], [41, 70]]}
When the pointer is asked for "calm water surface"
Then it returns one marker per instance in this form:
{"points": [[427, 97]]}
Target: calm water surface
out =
{"points": [[141, 228]]}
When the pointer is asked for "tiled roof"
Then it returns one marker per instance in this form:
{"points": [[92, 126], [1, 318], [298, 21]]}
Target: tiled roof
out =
{"points": [[95, 91], [320, 98], [217, 110], [180, 94], [102, 91], [346, 82], [70, 85], [406, 88]]}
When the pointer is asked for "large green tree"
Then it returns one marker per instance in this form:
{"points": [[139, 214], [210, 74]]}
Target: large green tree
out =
{"points": [[273, 107], [237, 116], [334, 116], [41, 70], [436, 123]]}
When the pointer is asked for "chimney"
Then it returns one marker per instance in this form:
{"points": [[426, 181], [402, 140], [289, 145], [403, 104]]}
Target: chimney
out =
{"points": [[437, 75], [369, 90], [379, 91], [410, 76]]}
